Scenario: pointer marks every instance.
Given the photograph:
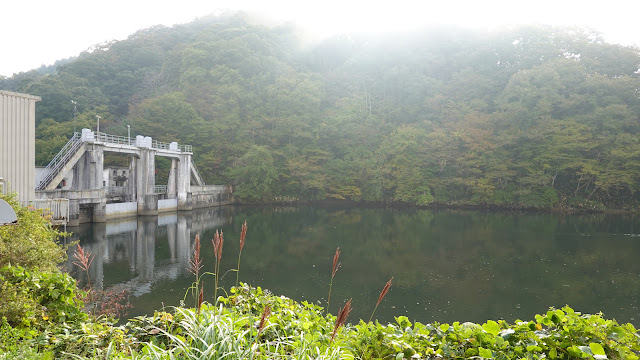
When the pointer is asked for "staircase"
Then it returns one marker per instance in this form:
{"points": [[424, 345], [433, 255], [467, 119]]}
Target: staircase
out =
{"points": [[195, 174], [53, 169]]}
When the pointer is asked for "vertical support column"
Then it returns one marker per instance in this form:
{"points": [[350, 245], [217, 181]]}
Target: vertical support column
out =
{"points": [[183, 183], [131, 187], [88, 172], [146, 182], [172, 189]]}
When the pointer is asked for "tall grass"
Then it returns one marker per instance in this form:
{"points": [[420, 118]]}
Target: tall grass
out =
{"points": [[383, 293], [334, 270], [243, 234], [218, 243], [83, 261], [195, 265], [214, 332]]}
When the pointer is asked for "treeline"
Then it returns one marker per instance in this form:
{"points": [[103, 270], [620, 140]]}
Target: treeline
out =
{"points": [[527, 117]]}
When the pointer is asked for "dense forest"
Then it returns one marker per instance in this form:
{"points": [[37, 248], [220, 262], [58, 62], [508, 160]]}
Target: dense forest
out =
{"points": [[529, 117]]}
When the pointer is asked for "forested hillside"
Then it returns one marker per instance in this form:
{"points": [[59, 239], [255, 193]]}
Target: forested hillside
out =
{"points": [[526, 117]]}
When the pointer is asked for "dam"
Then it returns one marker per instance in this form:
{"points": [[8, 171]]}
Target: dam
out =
{"points": [[77, 174]]}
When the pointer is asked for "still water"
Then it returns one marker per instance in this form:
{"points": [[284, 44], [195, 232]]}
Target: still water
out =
{"points": [[446, 265]]}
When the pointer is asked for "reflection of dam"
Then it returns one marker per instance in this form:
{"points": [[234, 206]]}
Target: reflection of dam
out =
{"points": [[128, 248]]}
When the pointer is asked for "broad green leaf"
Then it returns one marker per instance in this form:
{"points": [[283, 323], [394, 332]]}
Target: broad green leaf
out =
{"points": [[598, 351], [491, 327], [485, 353]]}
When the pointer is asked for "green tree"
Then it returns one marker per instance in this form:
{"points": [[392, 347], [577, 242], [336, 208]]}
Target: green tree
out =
{"points": [[254, 174]]}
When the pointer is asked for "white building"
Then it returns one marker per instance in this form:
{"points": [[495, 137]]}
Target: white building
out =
{"points": [[17, 144]]}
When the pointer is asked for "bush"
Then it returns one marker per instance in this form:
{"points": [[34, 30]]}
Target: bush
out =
{"points": [[31, 243], [38, 299]]}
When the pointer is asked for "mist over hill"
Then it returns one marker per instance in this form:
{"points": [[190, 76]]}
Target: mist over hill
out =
{"points": [[525, 117]]}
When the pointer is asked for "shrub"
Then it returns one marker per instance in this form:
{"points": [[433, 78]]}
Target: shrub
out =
{"points": [[38, 299], [31, 243]]}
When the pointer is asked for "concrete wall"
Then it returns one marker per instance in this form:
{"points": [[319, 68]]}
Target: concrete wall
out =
{"points": [[121, 210], [17, 143], [167, 205], [211, 195]]}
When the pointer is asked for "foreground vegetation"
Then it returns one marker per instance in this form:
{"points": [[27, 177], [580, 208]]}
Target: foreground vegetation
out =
{"points": [[524, 117], [42, 317], [239, 329]]}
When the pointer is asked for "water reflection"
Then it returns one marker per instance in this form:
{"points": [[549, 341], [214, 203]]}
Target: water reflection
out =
{"points": [[128, 248], [447, 265]]}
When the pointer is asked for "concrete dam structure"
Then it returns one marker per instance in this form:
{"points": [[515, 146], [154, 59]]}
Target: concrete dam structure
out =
{"points": [[91, 199]]}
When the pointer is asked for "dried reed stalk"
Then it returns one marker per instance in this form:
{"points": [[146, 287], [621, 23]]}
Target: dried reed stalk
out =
{"points": [[218, 243], [383, 293], [334, 270], [341, 319], [195, 265], [263, 319], [200, 298], [83, 261], [243, 234]]}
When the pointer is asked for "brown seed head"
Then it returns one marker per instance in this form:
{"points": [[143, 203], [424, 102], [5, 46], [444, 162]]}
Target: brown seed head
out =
{"points": [[218, 242], [201, 297], [83, 259], [195, 264], [342, 318], [243, 233], [384, 291], [265, 315], [336, 264]]}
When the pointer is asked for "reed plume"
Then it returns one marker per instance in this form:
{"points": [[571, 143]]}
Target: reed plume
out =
{"points": [[341, 319], [218, 243], [243, 234], [195, 265], [200, 298], [83, 261], [334, 270], [263, 319], [383, 293]]}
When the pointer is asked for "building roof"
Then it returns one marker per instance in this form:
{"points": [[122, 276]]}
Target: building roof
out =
{"points": [[26, 96]]}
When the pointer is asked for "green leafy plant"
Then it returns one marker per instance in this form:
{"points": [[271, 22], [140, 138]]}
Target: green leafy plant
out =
{"points": [[31, 243]]}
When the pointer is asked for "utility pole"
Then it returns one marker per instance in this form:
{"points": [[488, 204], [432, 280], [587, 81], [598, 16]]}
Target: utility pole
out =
{"points": [[98, 130], [75, 114], [128, 134]]}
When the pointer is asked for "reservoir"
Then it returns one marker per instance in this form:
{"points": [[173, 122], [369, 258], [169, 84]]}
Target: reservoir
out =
{"points": [[447, 265]]}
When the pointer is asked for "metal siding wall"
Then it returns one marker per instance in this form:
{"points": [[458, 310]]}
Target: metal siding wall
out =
{"points": [[17, 143]]}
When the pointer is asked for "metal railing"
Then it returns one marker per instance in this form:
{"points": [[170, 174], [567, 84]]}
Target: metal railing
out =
{"points": [[164, 146], [125, 140], [56, 210], [160, 189], [59, 161], [113, 139]]}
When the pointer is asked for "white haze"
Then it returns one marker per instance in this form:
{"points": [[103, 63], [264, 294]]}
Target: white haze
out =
{"points": [[39, 32]]}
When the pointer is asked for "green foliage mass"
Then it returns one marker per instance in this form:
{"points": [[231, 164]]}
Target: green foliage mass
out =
{"points": [[233, 330], [527, 117], [31, 243]]}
